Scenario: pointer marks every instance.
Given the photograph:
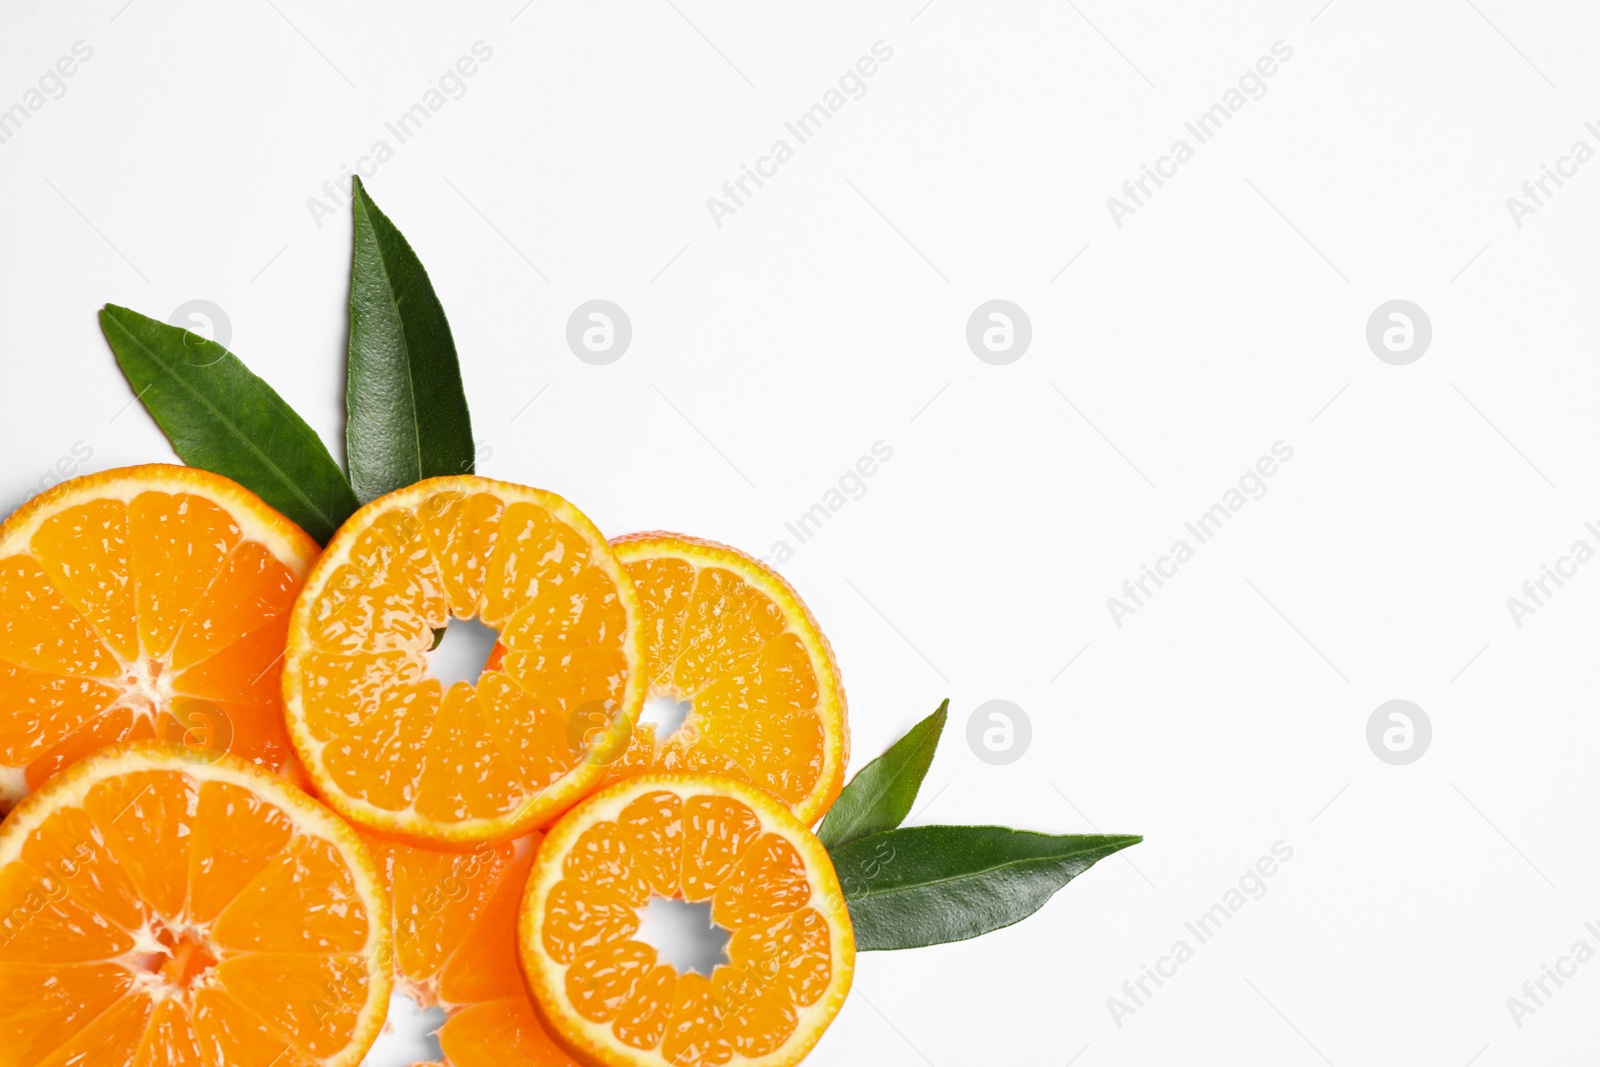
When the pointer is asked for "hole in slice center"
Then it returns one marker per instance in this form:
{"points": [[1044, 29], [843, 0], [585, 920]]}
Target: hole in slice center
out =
{"points": [[462, 650], [684, 935], [409, 1036], [665, 714]]}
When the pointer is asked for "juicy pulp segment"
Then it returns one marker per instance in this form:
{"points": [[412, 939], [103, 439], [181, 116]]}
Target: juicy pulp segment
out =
{"points": [[781, 958], [154, 912], [399, 751], [144, 603], [726, 635], [455, 920]]}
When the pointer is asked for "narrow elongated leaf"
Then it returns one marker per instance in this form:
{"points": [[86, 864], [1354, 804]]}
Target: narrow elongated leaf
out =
{"points": [[407, 412], [221, 417], [925, 885], [880, 796]]}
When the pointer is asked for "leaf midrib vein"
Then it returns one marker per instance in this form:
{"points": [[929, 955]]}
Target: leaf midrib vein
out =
{"points": [[889, 782], [947, 879], [405, 345], [227, 422], [963, 876]]}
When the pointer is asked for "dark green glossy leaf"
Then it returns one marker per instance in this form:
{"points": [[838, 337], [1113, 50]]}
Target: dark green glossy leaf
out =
{"points": [[925, 885], [221, 417], [407, 410], [880, 796]]}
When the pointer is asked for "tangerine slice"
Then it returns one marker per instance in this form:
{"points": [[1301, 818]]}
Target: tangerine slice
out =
{"points": [[155, 910], [726, 635], [605, 994], [140, 603], [455, 946], [389, 746]]}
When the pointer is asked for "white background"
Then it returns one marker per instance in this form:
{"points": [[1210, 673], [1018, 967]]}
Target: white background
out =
{"points": [[829, 313]]}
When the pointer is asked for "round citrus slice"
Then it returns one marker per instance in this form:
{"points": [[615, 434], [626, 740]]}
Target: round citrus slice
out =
{"points": [[455, 947], [393, 748], [726, 636], [143, 603], [609, 997], [159, 911]]}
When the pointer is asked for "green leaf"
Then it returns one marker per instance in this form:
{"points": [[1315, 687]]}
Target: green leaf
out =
{"points": [[925, 885], [221, 417], [879, 797], [407, 411]]}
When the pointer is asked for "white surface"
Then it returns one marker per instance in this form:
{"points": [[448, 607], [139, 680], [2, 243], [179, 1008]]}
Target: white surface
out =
{"points": [[1226, 315]]}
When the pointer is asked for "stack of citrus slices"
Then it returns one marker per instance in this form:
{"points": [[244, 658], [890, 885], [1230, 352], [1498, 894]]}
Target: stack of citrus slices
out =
{"points": [[244, 808]]}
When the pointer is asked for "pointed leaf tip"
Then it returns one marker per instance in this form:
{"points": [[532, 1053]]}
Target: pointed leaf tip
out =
{"points": [[407, 409], [881, 794], [927, 885]]}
